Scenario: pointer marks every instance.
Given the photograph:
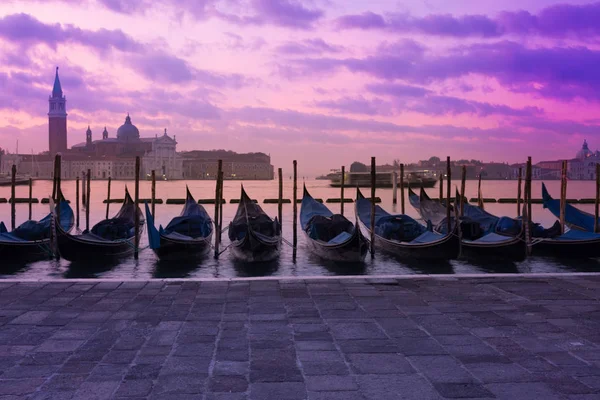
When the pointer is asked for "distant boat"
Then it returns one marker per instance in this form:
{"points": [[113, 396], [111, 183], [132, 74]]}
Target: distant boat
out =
{"points": [[19, 180], [382, 180]]}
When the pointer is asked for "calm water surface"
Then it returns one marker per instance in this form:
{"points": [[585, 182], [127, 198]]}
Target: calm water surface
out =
{"points": [[307, 264]]}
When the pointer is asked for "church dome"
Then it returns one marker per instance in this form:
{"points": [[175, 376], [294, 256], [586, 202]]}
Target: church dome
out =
{"points": [[128, 132], [585, 152]]}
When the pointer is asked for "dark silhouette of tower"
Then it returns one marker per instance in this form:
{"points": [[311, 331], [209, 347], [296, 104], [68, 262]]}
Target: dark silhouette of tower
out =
{"points": [[57, 119], [88, 137]]}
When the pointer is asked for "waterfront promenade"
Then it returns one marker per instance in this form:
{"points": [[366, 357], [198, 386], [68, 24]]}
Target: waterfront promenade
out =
{"points": [[371, 338]]}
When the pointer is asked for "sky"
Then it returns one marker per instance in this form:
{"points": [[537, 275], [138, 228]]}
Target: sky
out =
{"points": [[325, 82]]}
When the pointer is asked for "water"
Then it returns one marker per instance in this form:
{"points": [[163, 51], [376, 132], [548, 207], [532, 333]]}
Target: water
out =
{"points": [[307, 264]]}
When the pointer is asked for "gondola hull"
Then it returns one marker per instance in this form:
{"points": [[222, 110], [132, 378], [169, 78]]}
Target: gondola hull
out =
{"points": [[25, 251], [512, 249], [178, 250], [567, 248], [447, 248], [253, 249], [353, 250], [83, 248]]}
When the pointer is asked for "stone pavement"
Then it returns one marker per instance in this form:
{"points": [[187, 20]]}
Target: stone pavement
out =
{"points": [[318, 339]]}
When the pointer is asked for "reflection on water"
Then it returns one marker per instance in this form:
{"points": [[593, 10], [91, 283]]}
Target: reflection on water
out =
{"points": [[307, 264], [254, 269]]}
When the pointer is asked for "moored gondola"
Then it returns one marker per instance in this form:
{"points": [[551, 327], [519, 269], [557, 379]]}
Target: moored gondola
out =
{"points": [[577, 242], [484, 236], [331, 236], [574, 217], [108, 239], [404, 237], [186, 237], [253, 234], [30, 241]]}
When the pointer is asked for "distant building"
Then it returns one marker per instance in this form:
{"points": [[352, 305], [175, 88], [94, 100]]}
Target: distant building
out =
{"points": [[204, 165], [583, 166]]}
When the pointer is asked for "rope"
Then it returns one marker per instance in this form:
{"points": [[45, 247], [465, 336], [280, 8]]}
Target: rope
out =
{"points": [[284, 240], [226, 229]]}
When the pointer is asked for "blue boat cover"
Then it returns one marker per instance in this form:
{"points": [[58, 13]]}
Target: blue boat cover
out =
{"points": [[574, 234], [401, 228], [30, 231], [122, 225], [321, 224], [573, 216], [428, 237], [492, 238], [193, 223]]}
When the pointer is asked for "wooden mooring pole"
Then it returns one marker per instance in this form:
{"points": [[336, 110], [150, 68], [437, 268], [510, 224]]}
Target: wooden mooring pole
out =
{"points": [[58, 198], [563, 195], [527, 205], [295, 212], [342, 189], [30, 197], [136, 250], [54, 178], [479, 195], [153, 194], [373, 183], [395, 187], [217, 208], [402, 188], [597, 201], [463, 178], [441, 187], [448, 194], [280, 197], [519, 192], [88, 177], [77, 201], [108, 199], [13, 182], [221, 201]]}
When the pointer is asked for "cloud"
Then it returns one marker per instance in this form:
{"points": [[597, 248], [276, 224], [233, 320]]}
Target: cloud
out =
{"points": [[553, 72], [561, 20], [357, 105], [425, 101], [307, 47], [25, 29], [286, 13]]}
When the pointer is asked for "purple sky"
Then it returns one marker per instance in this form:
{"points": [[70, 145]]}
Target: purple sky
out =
{"points": [[325, 82]]}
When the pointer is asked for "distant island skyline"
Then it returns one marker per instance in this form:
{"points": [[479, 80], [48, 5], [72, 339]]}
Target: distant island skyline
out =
{"points": [[325, 83]]}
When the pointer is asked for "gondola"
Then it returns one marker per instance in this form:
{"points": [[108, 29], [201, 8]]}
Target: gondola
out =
{"points": [[186, 237], [30, 241], [108, 239], [404, 237], [577, 242], [484, 236], [331, 236], [574, 217], [253, 234]]}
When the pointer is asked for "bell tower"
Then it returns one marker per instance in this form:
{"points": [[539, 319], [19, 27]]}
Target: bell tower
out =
{"points": [[57, 119], [88, 137]]}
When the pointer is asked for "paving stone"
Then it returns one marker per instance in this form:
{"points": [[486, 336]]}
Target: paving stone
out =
{"points": [[179, 384], [420, 347], [441, 369], [368, 346], [134, 388], [31, 318], [60, 345], [511, 391], [330, 383], [20, 387], [356, 395], [356, 330], [324, 368], [228, 384], [379, 364], [499, 372], [394, 387], [462, 390], [280, 391], [231, 368], [96, 390]]}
